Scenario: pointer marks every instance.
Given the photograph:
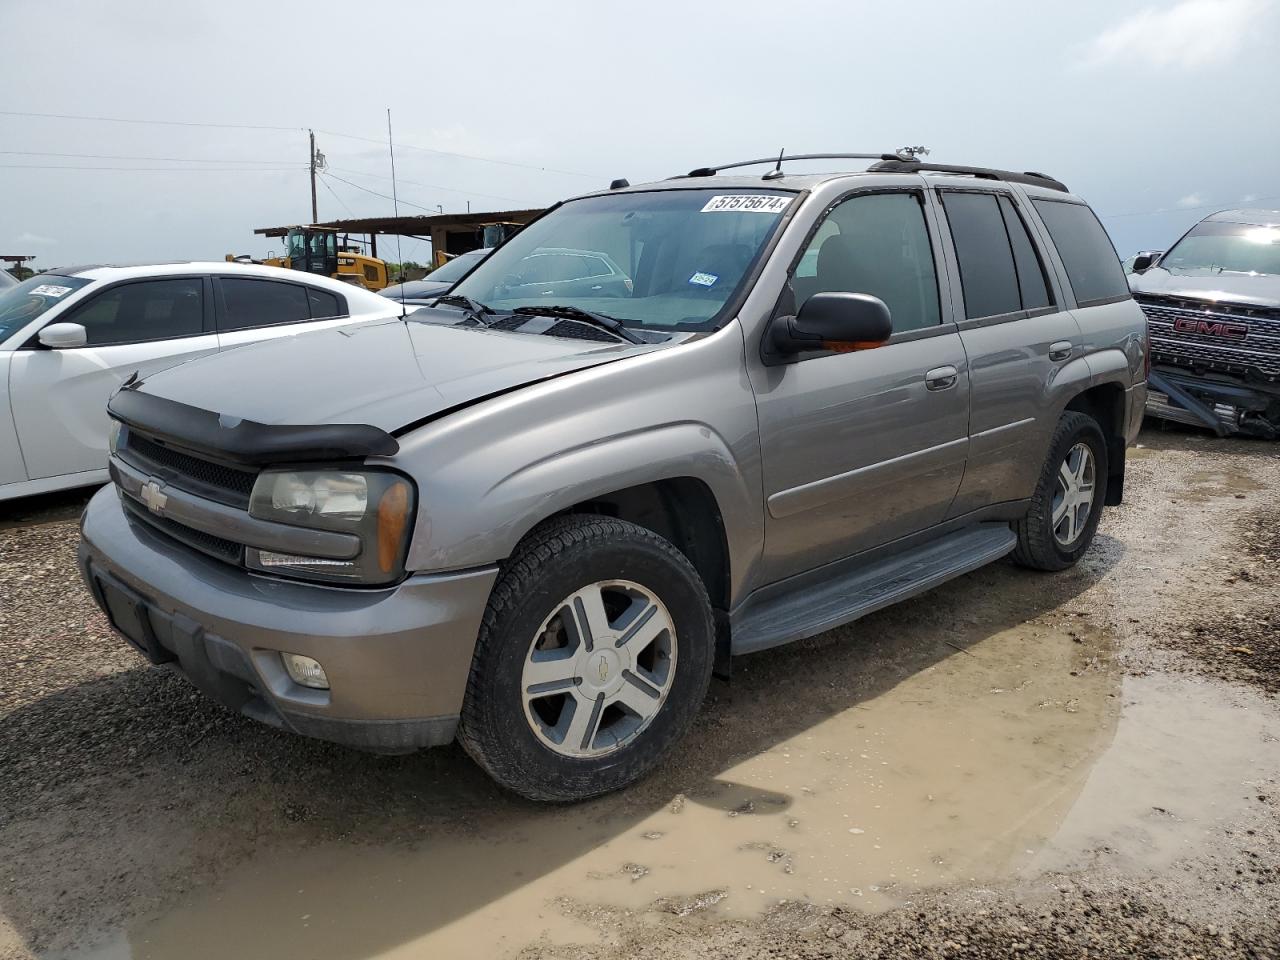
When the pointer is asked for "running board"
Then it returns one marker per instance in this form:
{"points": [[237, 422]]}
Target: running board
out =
{"points": [[794, 614]]}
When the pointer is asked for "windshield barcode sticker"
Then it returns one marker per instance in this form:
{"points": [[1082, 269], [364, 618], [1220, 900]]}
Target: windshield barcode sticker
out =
{"points": [[50, 290], [746, 203]]}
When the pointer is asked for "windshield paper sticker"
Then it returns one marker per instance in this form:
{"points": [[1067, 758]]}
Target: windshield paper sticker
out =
{"points": [[50, 290], [704, 279], [746, 203]]}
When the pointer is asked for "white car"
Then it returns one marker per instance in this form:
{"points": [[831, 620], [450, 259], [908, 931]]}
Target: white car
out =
{"points": [[69, 338]]}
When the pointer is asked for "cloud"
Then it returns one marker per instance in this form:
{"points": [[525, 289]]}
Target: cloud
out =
{"points": [[1191, 200], [35, 240], [1194, 33], [1249, 198]]}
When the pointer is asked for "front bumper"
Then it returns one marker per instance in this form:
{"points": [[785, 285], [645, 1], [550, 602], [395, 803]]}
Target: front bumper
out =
{"points": [[397, 659], [1224, 405]]}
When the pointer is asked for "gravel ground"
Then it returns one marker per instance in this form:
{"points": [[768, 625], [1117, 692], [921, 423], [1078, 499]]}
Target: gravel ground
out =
{"points": [[123, 793]]}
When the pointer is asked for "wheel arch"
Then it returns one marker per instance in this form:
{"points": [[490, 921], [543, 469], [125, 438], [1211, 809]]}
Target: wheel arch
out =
{"points": [[1105, 403]]}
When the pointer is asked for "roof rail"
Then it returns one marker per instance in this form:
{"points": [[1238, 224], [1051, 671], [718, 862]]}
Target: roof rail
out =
{"points": [[781, 158], [899, 165]]}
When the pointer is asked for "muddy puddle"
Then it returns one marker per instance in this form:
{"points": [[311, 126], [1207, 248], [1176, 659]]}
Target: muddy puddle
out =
{"points": [[1024, 752]]}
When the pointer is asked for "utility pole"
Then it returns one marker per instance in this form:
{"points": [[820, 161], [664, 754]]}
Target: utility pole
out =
{"points": [[315, 216]]}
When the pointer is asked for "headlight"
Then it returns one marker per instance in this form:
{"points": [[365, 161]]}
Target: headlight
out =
{"points": [[376, 505]]}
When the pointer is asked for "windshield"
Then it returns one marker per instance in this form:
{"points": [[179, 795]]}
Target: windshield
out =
{"points": [[670, 259], [1221, 247], [295, 245], [21, 304], [456, 267]]}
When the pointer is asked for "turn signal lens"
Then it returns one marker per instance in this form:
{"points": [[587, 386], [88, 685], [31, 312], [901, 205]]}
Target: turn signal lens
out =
{"points": [[393, 515]]}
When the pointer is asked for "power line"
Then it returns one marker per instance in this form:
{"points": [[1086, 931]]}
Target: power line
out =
{"points": [[430, 186], [40, 166], [466, 156], [165, 123], [333, 193], [259, 126], [384, 196], [120, 156]]}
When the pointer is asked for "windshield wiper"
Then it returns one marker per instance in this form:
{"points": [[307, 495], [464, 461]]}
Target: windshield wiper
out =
{"points": [[600, 320], [474, 308]]}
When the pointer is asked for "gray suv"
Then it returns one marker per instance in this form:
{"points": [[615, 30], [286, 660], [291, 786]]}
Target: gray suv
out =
{"points": [[538, 527]]}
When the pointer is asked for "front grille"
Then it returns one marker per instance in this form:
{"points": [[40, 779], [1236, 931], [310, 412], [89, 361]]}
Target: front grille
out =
{"points": [[1256, 353], [217, 481], [207, 543]]}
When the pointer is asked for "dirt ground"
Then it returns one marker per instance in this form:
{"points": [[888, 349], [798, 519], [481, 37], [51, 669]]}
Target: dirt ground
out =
{"points": [[1084, 764]]}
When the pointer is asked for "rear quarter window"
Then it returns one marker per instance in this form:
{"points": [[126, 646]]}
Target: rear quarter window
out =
{"points": [[251, 302], [1093, 267]]}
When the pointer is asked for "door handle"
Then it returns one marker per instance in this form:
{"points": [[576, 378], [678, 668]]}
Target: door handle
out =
{"points": [[1060, 350], [941, 378]]}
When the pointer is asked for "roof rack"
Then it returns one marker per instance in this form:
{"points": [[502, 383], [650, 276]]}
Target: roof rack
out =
{"points": [[899, 165], [781, 158]]}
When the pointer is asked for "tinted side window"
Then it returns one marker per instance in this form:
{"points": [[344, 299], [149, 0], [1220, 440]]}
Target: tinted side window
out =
{"points": [[149, 310], [261, 303], [987, 273], [1031, 279], [1091, 261], [325, 304], [876, 244]]}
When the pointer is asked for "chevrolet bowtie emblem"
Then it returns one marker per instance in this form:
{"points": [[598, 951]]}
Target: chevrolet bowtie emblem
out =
{"points": [[153, 496]]}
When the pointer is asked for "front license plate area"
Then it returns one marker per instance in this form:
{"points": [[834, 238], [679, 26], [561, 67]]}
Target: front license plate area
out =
{"points": [[128, 615]]}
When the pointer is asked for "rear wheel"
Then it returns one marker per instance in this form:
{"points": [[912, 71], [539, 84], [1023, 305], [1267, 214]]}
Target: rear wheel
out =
{"points": [[593, 657], [1067, 503]]}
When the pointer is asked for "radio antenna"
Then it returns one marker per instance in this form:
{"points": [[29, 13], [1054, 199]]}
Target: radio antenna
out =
{"points": [[395, 205]]}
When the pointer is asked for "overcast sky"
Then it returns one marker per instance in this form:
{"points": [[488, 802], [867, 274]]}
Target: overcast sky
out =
{"points": [[1156, 114]]}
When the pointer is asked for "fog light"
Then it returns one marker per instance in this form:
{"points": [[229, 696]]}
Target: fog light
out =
{"points": [[304, 671]]}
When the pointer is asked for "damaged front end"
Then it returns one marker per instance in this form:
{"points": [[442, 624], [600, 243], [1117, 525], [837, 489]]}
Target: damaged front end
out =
{"points": [[1215, 365]]}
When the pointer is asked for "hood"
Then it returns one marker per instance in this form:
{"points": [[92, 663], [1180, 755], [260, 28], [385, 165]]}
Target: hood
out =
{"points": [[1258, 291], [387, 374]]}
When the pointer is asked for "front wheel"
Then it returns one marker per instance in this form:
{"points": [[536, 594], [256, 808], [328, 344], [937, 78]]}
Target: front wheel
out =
{"points": [[594, 655], [1067, 503]]}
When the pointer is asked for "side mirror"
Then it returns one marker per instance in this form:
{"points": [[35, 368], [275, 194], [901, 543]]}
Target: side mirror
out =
{"points": [[1145, 260], [834, 321], [60, 336]]}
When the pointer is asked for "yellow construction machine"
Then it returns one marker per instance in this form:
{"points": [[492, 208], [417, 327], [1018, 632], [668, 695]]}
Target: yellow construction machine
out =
{"points": [[317, 250]]}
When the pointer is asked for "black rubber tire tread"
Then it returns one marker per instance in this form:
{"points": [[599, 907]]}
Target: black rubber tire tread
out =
{"points": [[1037, 548], [538, 554]]}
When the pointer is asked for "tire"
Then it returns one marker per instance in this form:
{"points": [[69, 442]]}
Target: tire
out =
{"points": [[1039, 546], [530, 624]]}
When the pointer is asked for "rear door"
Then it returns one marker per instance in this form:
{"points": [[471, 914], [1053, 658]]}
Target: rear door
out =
{"points": [[862, 448], [59, 397], [249, 309], [1017, 334]]}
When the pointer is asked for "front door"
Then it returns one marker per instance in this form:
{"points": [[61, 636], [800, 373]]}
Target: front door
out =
{"points": [[59, 397], [862, 448]]}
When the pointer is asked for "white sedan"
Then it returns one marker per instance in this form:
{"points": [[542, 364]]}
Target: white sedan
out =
{"points": [[69, 338]]}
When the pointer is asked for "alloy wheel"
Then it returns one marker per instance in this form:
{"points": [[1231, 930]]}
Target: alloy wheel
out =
{"points": [[599, 669], [1073, 498]]}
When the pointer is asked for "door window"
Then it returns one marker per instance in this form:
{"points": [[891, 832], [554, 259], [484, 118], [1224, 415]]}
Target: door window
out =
{"points": [[249, 303], [148, 310], [987, 271], [1093, 266], [876, 244], [1031, 280]]}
